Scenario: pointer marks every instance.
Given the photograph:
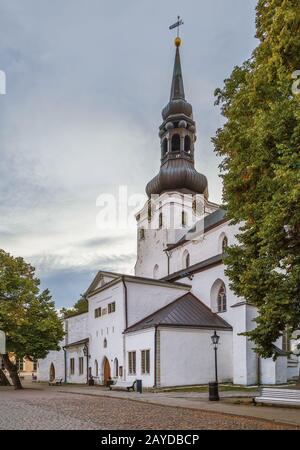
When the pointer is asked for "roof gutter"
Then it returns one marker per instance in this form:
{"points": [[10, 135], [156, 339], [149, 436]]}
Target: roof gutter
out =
{"points": [[155, 355]]}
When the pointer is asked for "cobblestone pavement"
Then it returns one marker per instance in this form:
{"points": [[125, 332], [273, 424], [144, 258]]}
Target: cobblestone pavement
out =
{"points": [[49, 409]]}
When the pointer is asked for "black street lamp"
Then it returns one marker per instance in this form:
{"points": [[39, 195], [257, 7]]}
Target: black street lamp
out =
{"points": [[213, 386]]}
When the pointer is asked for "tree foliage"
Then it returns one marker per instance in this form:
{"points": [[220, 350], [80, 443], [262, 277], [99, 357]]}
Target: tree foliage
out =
{"points": [[80, 307], [260, 146], [27, 315]]}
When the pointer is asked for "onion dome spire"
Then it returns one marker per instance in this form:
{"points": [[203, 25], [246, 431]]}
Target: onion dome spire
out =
{"points": [[177, 134]]}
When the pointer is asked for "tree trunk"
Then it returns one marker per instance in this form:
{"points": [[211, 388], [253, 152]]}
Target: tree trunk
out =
{"points": [[3, 379], [13, 372]]}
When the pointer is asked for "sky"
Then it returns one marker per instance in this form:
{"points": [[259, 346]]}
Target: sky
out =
{"points": [[85, 85]]}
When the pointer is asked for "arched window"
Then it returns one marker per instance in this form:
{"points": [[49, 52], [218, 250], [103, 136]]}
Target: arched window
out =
{"points": [[218, 297], [164, 147], [176, 143], [116, 367], [187, 144], [52, 372], [105, 343], [186, 259], [155, 271], [224, 244], [149, 211], [183, 218], [160, 220], [221, 299]]}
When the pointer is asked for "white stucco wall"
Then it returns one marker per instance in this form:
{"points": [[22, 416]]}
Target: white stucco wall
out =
{"points": [[142, 340], [43, 369], [187, 356], [76, 329], [110, 327], [273, 372], [144, 299]]}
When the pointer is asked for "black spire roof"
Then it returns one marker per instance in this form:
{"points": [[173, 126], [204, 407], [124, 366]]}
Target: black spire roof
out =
{"points": [[177, 133]]}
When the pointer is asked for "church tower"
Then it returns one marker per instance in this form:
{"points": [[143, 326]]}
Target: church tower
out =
{"points": [[178, 194], [178, 136]]}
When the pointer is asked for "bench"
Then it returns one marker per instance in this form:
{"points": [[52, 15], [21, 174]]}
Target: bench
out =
{"points": [[56, 382], [119, 384], [278, 396]]}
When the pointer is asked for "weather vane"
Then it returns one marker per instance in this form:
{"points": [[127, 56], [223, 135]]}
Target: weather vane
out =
{"points": [[176, 25]]}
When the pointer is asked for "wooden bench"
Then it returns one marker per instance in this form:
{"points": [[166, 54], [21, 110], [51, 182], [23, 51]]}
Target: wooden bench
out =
{"points": [[119, 384], [278, 396], [56, 382]]}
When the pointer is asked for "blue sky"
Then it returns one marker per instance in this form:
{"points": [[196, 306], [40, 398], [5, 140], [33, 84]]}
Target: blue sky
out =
{"points": [[86, 83]]}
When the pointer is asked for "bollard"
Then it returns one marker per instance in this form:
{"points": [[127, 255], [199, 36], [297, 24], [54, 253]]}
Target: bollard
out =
{"points": [[213, 389]]}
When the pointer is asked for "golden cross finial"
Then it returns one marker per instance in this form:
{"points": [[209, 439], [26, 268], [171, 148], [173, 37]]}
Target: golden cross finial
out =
{"points": [[177, 25]]}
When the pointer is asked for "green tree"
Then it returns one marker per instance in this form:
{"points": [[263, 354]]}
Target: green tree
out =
{"points": [[260, 146], [80, 307], [27, 315]]}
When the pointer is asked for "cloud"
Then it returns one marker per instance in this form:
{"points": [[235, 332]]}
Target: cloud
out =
{"points": [[85, 89]]}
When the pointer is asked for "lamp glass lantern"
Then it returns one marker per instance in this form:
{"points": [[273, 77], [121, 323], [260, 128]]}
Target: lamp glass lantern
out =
{"points": [[215, 338]]}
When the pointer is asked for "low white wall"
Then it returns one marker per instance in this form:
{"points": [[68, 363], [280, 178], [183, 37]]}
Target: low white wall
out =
{"points": [[274, 372], [43, 370], [76, 352], [187, 356], [143, 340]]}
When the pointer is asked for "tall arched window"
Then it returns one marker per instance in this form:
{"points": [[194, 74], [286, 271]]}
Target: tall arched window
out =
{"points": [[221, 299], [187, 144], [116, 367], [142, 233], [224, 244], [155, 271], [218, 297], [105, 343], [164, 147], [149, 211], [183, 218], [176, 143], [160, 220]]}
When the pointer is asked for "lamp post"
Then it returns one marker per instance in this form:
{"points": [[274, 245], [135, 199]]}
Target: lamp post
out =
{"points": [[213, 386], [86, 354]]}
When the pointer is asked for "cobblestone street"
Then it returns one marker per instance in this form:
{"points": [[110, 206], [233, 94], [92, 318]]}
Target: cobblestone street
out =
{"points": [[49, 409]]}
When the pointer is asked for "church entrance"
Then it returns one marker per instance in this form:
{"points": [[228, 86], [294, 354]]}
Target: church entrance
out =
{"points": [[52, 372], [106, 371]]}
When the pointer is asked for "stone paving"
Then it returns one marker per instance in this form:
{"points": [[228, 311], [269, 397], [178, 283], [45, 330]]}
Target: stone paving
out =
{"points": [[48, 408]]}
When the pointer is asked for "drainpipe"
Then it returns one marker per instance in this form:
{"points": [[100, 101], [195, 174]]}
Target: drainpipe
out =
{"points": [[126, 325], [258, 371], [155, 351], [65, 363], [125, 302]]}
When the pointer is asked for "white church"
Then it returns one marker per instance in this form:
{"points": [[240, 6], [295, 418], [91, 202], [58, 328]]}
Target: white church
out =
{"points": [[156, 325]]}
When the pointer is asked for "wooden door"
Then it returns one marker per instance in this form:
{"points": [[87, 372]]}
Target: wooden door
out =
{"points": [[106, 370], [52, 372]]}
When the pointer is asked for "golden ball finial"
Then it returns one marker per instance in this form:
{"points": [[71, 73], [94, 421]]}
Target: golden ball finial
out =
{"points": [[177, 41]]}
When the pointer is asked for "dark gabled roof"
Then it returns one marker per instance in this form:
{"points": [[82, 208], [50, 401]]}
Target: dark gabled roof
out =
{"points": [[186, 311], [195, 268], [208, 222]]}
